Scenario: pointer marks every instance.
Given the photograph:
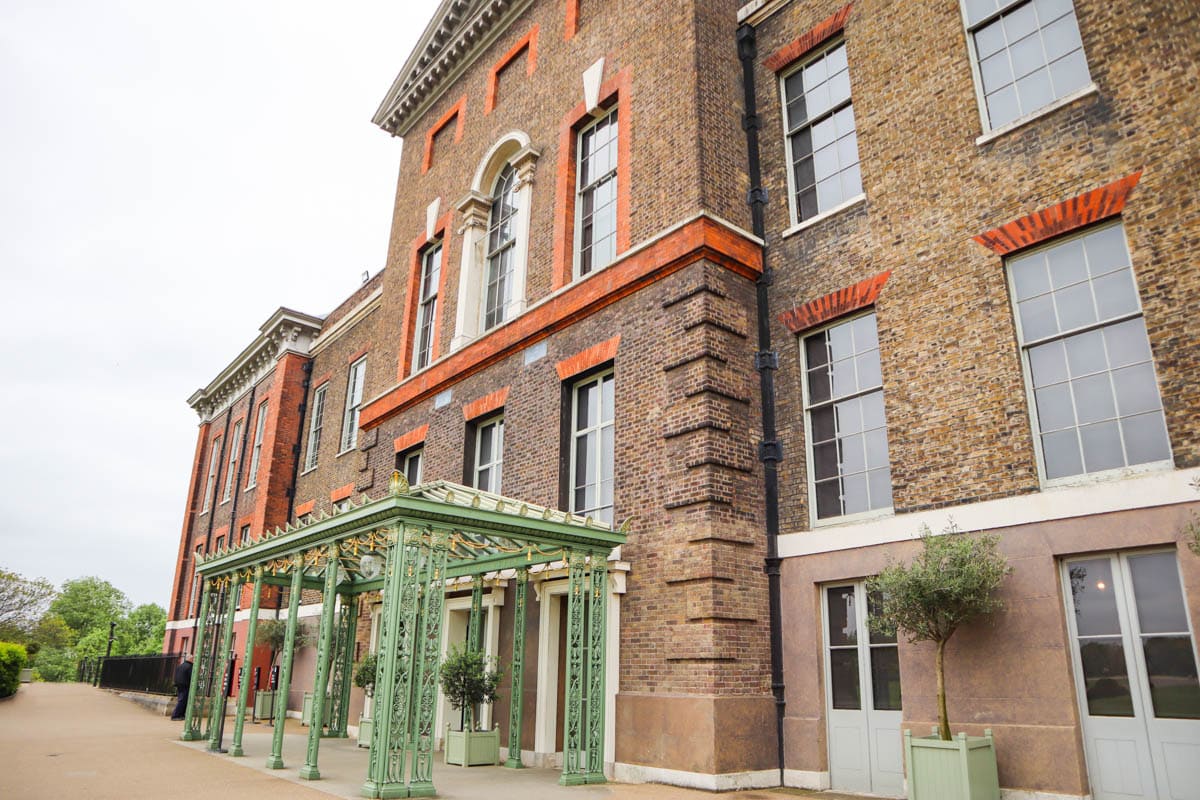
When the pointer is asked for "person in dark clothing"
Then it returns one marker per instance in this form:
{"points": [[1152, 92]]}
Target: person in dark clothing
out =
{"points": [[183, 683]]}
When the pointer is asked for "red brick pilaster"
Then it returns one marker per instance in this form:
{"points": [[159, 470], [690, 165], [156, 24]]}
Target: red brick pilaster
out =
{"points": [[281, 432], [189, 516]]}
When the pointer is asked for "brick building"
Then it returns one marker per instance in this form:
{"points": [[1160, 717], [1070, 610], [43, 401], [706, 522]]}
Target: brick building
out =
{"points": [[959, 294]]}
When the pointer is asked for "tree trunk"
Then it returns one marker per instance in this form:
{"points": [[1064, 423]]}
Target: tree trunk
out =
{"points": [[943, 717]]}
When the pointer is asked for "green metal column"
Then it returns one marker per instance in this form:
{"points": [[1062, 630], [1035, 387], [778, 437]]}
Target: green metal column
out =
{"points": [[517, 690], [573, 773], [309, 771], [597, 649], [343, 666], [191, 720], [475, 621], [275, 759], [393, 689], [217, 720], [244, 684], [426, 663]]}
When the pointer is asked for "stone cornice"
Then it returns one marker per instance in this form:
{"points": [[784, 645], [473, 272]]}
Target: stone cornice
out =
{"points": [[458, 33], [285, 332]]}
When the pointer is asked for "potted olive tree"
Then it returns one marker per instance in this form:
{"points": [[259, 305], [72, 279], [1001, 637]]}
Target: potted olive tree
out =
{"points": [[364, 678], [950, 583], [468, 682]]}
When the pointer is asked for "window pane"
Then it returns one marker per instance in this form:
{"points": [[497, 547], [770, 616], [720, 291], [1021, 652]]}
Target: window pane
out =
{"points": [[1115, 294], [825, 460], [843, 619], [853, 454], [1092, 597], [1037, 318], [1105, 678], [849, 417], [1061, 453], [1093, 399], [1146, 438], [823, 427], [1048, 363], [829, 499], [880, 482], [1102, 447], [1069, 74], [854, 494], [1061, 37], [1136, 390], [885, 678], [1127, 343], [874, 608], [1002, 106], [1067, 264], [1157, 593], [1029, 276], [1106, 250], [877, 450], [1074, 305], [1085, 354], [1054, 408], [843, 675], [1171, 668]]}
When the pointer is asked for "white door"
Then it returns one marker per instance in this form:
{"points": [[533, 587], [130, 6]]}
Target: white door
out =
{"points": [[862, 684], [1135, 664]]}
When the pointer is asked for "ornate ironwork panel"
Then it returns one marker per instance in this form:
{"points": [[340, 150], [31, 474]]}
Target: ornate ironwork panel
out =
{"points": [[213, 662], [325, 644], [428, 659], [204, 632], [343, 664], [239, 722], [385, 671], [573, 721], [217, 718], [475, 621], [517, 685], [275, 760], [597, 641]]}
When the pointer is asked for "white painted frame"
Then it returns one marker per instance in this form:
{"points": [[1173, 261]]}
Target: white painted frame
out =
{"points": [[426, 304], [598, 379], [235, 441], [210, 486], [260, 425], [817, 53], [496, 465], [988, 132], [614, 174], [811, 484], [1027, 373], [355, 382], [316, 423]]}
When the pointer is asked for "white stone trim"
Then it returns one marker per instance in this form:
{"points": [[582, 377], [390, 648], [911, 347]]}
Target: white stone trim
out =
{"points": [[493, 599], [858, 199], [1146, 490], [723, 782], [806, 779]]}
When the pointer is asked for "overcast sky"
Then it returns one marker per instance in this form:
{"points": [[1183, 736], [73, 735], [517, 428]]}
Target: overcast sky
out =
{"points": [[170, 174]]}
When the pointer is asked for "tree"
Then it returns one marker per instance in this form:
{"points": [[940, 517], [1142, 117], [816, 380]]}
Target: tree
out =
{"points": [[142, 631], [952, 581], [467, 681], [89, 604], [22, 602], [272, 634]]}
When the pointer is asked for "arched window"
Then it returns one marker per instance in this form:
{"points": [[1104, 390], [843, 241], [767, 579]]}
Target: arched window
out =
{"points": [[495, 212]]}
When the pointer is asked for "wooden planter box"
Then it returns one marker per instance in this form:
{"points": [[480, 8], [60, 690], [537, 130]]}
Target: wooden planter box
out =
{"points": [[472, 748], [264, 704], [306, 711], [365, 727], [963, 768]]}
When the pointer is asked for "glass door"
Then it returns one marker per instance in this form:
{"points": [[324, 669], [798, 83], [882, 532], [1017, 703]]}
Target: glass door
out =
{"points": [[862, 670], [1135, 665]]}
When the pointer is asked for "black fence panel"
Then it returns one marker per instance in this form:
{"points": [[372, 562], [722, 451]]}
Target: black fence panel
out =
{"points": [[154, 674]]}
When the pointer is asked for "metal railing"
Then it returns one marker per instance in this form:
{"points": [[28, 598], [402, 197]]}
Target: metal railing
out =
{"points": [[152, 673]]}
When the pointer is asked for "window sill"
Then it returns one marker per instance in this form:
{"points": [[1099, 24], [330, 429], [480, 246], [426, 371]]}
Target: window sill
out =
{"points": [[307, 470], [251, 486], [808, 223], [1021, 122], [1107, 476], [352, 448], [226, 501], [851, 519]]}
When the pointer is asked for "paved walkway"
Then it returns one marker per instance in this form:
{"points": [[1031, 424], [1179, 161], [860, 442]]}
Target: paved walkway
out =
{"points": [[74, 741]]}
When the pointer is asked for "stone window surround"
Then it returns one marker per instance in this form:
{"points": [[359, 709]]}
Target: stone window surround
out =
{"points": [[512, 149]]}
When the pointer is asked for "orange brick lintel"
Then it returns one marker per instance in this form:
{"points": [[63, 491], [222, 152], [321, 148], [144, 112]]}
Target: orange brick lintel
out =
{"points": [[1064, 217], [835, 304], [802, 45], [592, 357], [412, 438], [701, 238], [486, 404], [341, 493], [305, 508]]}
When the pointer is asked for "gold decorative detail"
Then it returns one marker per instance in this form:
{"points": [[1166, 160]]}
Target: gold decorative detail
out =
{"points": [[398, 484]]}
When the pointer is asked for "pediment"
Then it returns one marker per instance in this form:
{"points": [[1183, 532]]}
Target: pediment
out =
{"points": [[459, 31]]}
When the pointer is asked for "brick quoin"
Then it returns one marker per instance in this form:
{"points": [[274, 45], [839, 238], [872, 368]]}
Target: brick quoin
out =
{"points": [[281, 432], [585, 360], [1064, 217], [486, 404], [834, 305], [410, 439], [804, 44]]}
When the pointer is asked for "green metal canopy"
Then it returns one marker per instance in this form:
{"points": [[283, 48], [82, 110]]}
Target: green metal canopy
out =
{"points": [[408, 544]]}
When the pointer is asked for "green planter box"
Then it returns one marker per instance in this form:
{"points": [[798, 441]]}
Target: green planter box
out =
{"points": [[306, 712], [365, 726], [963, 768], [472, 748], [264, 704]]}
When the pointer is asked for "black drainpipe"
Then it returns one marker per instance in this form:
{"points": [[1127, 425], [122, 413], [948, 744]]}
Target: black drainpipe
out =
{"points": [[766, 361]]}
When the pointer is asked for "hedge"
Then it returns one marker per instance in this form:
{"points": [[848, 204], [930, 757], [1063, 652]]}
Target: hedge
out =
{"points": [[12, 661]]}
